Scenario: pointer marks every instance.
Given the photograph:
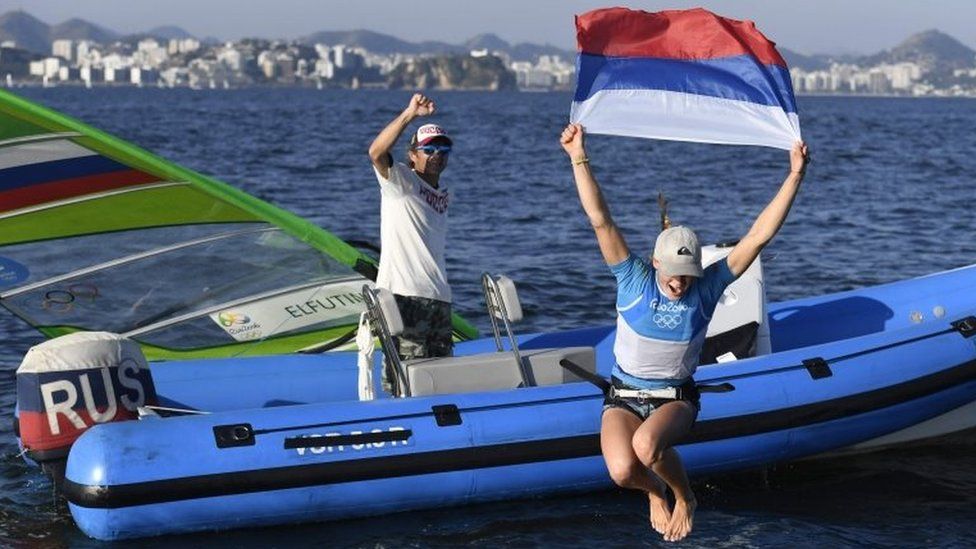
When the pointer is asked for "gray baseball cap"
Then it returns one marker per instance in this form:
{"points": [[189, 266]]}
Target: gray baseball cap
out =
{"points": [[678, 251]]}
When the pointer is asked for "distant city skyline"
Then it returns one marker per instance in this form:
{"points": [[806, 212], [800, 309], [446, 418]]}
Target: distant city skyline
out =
{"points": [[827, 26]]}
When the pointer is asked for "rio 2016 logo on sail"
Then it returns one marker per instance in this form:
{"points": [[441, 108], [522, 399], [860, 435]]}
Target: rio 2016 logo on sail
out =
{"points": [[239, 325], [228, 319]]}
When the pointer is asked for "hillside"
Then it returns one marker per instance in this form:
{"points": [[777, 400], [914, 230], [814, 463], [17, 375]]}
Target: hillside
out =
{"points": [[79, 29], [385, 44], [933, 50], [27, 31], [806, 62], [32, 34], [451, 73], [377, 42], [168, 32]]}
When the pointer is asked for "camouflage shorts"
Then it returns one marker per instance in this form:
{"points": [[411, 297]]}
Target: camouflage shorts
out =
{"points": [[427, 331]]}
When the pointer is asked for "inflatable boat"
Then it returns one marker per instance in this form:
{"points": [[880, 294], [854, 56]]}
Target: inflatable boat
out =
{"points": [[177, 393], [271, 440]]}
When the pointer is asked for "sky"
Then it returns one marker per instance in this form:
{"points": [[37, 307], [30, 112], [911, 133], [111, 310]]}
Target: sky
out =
{"points": [[811, 26]]}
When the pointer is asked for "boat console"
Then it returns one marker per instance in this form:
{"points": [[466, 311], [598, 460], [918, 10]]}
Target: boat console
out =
{"points": [[500, 370], [739, 327]]}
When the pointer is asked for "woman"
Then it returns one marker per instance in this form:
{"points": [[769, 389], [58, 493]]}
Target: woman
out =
{"points": [[663, 312]]}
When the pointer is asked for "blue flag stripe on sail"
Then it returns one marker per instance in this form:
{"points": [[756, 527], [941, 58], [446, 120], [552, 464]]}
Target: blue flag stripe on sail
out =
{"points": [[25, 176]]}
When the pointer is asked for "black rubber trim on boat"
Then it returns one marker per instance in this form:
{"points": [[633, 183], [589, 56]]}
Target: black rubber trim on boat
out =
{"points": [[817, 368], [498, 455], [966, 326], [234, 435], [446, 415]]}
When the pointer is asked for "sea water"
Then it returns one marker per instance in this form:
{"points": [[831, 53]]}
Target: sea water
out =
{"points": [[889, 195]]}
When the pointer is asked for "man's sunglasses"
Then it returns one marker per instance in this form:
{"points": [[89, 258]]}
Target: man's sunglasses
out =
{"points": [[431, 149]]}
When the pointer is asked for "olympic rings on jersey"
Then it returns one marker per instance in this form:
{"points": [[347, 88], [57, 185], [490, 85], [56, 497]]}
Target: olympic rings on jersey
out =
{"points": [[667, 321]]}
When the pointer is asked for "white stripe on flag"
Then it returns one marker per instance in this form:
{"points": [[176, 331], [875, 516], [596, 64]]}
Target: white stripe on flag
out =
{"points": [[40, 152], [686, 117]]}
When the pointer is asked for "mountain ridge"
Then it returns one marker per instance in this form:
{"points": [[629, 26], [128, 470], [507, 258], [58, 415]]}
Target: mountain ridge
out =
{"points": [[932, 49], [32, 34]]}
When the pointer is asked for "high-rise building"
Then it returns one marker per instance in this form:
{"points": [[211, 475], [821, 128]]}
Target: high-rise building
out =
{"points": [[150, 54], [231, 58], [902, 75], [339, 56], [325, 68], [63, 49], [286, 68], [82, 51], [45, 68], [878, 82], [182, 45]]}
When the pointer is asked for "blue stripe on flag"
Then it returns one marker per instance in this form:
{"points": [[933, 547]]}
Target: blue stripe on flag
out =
{"points": [[58, 170], [740, 78]]}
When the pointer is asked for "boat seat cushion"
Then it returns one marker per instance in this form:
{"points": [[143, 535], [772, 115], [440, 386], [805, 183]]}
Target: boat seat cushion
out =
{"points": [[495, 371]]}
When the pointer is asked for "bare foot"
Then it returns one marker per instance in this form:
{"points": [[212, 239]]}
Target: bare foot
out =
{"points": [[660, 513], [682, 520]]}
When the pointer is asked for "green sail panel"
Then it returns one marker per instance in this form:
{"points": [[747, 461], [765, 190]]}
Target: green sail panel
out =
{"points": [[97, 234]]}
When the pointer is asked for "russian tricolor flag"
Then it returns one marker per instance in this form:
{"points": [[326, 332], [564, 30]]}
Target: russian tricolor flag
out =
{"points": [[685, 75]]}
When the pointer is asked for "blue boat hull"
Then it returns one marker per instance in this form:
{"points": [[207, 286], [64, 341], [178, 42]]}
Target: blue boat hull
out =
{"points": [[287, 441]]}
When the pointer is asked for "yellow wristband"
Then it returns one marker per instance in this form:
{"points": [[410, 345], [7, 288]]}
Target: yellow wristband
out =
{"points": [[580, 161]]}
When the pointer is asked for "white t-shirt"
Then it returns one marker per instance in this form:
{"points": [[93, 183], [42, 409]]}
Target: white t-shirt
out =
{"points": [[413, 231]]}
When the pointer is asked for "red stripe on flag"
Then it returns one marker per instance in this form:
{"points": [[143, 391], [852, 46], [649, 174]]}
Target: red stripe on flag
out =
{"points": [[676, 34], [69, 188]]}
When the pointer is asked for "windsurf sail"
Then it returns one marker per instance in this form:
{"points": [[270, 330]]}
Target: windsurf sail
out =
{"points": [[98, 234], [685, 75]]}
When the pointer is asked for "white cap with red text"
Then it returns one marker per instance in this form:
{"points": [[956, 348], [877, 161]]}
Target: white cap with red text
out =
{"points": [[429, 132]]}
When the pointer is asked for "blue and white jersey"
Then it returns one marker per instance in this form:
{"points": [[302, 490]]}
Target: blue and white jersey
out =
{"points": [[659, 339]]}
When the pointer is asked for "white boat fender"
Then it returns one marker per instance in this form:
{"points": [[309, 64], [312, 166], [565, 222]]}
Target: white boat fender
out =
{"points": [[364, 340]]}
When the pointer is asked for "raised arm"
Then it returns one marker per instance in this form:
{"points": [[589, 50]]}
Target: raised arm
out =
{"points": [[608, 236], [765, 227], [379, 150]]}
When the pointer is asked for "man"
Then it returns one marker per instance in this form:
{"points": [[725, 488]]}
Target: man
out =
{"points": [[413, 230], [663, 311]]}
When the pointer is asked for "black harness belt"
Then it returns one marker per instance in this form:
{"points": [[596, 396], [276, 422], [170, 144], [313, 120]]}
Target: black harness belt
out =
{"points": [[609, 390]]}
